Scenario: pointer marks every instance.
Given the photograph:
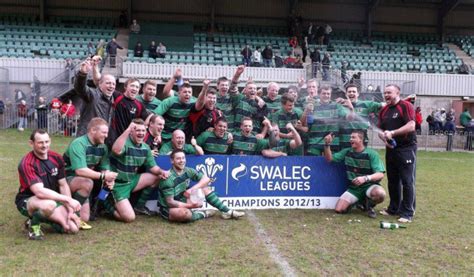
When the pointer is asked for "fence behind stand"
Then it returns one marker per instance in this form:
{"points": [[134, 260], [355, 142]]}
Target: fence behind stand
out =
{"points": [[54, 123]]}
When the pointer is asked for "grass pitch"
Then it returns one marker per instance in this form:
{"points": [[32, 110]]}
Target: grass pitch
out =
{"points": [[313, 242]]}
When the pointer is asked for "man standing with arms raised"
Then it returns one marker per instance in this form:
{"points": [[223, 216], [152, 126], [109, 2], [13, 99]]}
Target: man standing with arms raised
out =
{"points": [[362, 109], [397, 121], [97, 101]]}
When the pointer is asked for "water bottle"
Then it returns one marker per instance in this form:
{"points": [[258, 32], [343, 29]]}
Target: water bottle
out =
{"points": [[179, 81], [310, 118], [197, 196], [388, 225], [104, 192], [392, 142]]}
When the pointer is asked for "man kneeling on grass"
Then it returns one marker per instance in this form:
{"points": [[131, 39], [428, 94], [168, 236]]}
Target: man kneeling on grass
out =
{"points": [[175, 194], [129, 153], [44, 194], [364, 170]]}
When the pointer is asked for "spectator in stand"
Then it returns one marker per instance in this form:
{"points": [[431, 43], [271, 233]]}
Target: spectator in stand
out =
{"points": [[22, 115], [439, 119], [111, 50], [19, 95], [315, 56], [299, 62], [431, 124], [68, 110], [135, 27], [304, 49], [326, 65], [290, 61], [246, 55], [344, 68], [320, 31], [327, 34], [293, 41], [310, 32], [152, 53], [2, 106], [55, 105], [418, 120], [466, 120], [161, 50], [464, 69], [278, 60], [138, 51], [91, 49], [267, 55], [257, 57], [42, 113], [449, 126]]}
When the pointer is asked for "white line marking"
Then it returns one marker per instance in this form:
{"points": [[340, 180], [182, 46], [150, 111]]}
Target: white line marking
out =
{"points": [[285, 267]]}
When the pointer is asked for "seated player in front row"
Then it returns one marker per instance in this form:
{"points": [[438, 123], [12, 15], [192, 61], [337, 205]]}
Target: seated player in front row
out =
{"points": [[364, 172], [175, 194], [44, 194]]}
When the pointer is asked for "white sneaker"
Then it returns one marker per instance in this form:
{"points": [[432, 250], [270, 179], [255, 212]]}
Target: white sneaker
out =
{"points": [[209, 213], [404, 220], [232, 214]]}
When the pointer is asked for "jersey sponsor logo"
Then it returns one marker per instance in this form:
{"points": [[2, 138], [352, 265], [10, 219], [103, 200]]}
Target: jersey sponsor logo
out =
{"points": [[210, 168], [409, 161], [239, 172]]}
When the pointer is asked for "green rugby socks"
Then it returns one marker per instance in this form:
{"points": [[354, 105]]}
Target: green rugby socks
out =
{"points": [[214, 201]]}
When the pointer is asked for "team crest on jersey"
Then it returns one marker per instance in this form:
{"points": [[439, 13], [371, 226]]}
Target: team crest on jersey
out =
{"points": [[210, 168], [54, 171], [395, 115], [133, 110]]}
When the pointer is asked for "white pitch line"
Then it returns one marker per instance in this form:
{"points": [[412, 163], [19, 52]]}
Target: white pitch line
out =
{"points": [[272, 249]]}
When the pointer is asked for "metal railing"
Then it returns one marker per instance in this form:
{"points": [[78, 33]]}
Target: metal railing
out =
{"points": [[51, 120]]}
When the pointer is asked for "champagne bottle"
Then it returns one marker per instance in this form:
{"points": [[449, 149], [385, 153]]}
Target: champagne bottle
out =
{"points": [[388, 225]]}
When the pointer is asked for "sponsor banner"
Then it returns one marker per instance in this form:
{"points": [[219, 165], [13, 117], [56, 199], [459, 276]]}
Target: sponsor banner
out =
{"points": [[255, 182]]}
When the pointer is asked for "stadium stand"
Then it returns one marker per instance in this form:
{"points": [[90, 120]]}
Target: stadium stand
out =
{"points": [[23, 37]]}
